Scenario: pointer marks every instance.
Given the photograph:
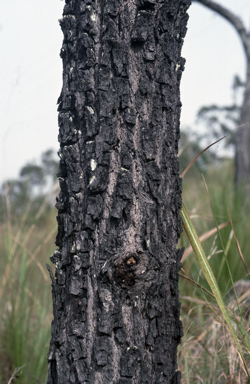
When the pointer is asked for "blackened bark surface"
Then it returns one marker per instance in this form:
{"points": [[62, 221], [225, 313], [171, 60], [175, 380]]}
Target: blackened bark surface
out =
{"points": [[115, 294]]}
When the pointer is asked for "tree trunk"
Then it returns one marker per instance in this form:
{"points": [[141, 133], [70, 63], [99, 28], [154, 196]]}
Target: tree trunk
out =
{"points": [[115, 291], [243, 135]]}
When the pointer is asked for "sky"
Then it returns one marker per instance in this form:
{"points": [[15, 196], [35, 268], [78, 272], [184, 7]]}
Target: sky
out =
{"points": [[31, 72]]}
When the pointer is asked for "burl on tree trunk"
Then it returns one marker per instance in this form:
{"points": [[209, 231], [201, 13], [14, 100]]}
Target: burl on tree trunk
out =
{"points": [[115, 292]]}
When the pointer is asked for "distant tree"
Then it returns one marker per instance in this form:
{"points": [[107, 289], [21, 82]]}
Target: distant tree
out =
{"points": [[50, 164], [33, 175], [30, 188], [18, 193], [40, 175], [115, 290], [190, 146], [242, 159], [222, 120]]}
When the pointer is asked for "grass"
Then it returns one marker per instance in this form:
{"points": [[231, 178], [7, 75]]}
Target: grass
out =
{"points": [[25, 294], [208, 353], [225, 201]]}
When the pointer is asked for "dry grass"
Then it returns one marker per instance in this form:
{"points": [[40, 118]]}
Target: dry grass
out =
{"points": [[208, 353]]}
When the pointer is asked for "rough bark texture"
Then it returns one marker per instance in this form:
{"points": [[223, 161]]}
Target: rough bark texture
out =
{"points": [[242, 158], [115, 293]]}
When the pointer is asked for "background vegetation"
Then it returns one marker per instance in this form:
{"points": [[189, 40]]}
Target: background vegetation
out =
{"points": [[27, 233], [208, 353]]}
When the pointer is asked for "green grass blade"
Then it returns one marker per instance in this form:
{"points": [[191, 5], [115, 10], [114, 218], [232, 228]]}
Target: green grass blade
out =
{"points": [[209, 275]]}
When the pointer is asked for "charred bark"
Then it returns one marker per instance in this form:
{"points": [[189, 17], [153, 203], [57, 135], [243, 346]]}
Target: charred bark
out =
{"points": [[242, 147], [115, 291]]}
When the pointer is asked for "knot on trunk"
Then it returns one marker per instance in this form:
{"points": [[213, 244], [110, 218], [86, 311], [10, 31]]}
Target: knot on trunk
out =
{"points": [[128, 267]]}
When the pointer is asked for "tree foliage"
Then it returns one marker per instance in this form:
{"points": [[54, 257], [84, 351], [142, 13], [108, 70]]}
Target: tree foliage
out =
{"points": [[30, 188], [222, 120]]}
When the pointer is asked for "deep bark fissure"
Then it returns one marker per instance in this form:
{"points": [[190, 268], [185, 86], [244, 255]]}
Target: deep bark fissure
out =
{"points": [[115, 293]]}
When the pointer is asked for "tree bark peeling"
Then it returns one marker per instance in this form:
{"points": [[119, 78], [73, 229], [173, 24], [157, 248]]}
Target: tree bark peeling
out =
{"points": [[115, 292]]}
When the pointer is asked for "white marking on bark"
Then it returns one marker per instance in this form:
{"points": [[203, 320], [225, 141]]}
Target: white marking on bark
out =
{"points": [[91, 111], [104, 265], [93, 164], [177, 67]]}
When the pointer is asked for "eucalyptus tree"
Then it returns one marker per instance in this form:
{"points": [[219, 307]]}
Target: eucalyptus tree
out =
{"points": [[115, 291], [243, 133]]}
